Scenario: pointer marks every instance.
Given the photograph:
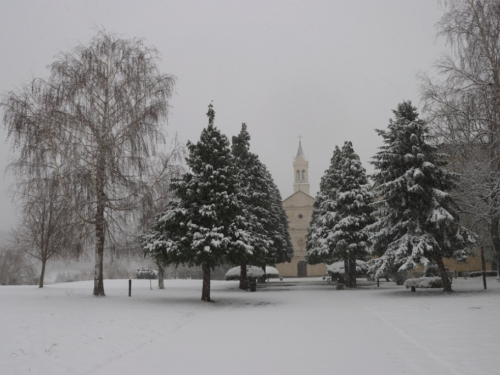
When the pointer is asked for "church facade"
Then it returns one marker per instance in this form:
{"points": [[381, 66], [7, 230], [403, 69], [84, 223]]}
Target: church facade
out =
{"points": [[299, 208]]}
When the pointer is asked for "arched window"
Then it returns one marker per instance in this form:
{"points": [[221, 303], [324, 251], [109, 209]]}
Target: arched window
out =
{"points": [[303, 175], [297, 178]]}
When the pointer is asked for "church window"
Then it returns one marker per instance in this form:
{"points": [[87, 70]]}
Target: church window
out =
{"points": [[298, 176], [300, 216], [303, 175]]}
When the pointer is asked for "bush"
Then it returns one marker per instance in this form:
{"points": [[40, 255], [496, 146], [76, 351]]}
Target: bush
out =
{"points": [[146, 273], [424, 282], [480, 273], [400, 277], [15, 269]]}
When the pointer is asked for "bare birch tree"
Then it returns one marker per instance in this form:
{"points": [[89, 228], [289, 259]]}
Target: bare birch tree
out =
{"points": [[158, 200], [48, 227], [96, 123], [463, 106]]}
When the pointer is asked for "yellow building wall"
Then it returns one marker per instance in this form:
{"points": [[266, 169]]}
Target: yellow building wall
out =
{"points": [[299, 208], [471, 264]]}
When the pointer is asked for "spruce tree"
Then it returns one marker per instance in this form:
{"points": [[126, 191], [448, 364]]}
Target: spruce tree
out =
{"points": [[417, 219], [252, 194], [266, 219], [341, 212], [320, 248], [282, 249], [206, 224]]}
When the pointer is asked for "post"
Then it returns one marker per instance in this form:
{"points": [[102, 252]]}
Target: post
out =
{"points": [[378, 282], [130, 288], [150, 286], [413, 289]]}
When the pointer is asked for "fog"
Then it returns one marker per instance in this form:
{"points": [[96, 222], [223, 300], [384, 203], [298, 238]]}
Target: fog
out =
{"points": [[329, 71]]}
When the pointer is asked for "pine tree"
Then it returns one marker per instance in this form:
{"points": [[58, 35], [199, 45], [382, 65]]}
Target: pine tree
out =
{"points": [[417, 219], [252, 194], [341, 212], [261, 198], [320, 248], [282, 249], [206, 224]]}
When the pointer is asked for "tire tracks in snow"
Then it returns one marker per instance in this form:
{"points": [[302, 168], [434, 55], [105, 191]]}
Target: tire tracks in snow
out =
{"points": [[186, 318], [401, 333]]}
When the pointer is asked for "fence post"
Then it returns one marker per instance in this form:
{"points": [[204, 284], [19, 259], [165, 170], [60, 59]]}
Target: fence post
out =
{"points": [[130, 288]]}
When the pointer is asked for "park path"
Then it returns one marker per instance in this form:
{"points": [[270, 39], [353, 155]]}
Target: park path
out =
{"points": [[303, 328]]}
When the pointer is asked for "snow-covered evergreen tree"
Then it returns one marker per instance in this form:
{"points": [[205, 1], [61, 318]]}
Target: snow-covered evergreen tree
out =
{"points": [[262, 201], [252, 194], [324, 217], [417, 220], [282, 249], [206, 224], [342, 210]]}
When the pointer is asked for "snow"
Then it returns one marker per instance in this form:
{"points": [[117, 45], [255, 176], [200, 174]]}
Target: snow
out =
{"points": [[252, 272], [272, 272], [338, 267], [62, 329]]}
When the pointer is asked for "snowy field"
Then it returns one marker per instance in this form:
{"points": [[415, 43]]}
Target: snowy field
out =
{"points": [[286, 327]]}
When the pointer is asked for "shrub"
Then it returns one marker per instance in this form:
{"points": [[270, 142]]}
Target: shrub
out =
{"points": [[480, 273], [15, 269], [146, 273], [400, 277], [424, 282]]}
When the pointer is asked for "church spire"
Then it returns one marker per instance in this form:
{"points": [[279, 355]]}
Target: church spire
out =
{"points": [[301, 171], [300, 151]]}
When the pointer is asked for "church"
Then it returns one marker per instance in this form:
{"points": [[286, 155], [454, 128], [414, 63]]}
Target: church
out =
{"points": [[299, 208]]}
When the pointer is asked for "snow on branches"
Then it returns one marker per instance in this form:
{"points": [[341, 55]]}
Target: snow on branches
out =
{"points": [[341, 212], [417, 220]]}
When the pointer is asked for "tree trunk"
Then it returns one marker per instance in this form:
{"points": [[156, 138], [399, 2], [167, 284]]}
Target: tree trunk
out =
{"points": [[495, 238], [42, 274], [161, 276], [99, 228], [483, 266], [99, 262], [243, 276], [352, 271], [205, 294], [347, 278], [444, 274]]}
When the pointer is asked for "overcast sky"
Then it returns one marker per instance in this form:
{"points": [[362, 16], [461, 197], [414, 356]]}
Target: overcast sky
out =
{"points": [[328, 70]]}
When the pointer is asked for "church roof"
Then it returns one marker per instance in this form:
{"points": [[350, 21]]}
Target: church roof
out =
{"points": [[300, 152], [299, 194]]}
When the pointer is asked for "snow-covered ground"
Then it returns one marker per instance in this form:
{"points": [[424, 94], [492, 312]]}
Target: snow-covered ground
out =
{"points": [[286, 327]]}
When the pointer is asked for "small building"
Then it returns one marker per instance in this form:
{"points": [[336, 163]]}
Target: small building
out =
{"points": [[299, 208]]}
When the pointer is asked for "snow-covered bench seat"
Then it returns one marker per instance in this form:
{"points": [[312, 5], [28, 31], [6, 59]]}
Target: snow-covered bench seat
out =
{"points": [[424, 282]]}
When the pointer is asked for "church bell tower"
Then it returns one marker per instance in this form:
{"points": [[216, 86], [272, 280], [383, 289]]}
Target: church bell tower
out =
{"points": [[300, 171]]}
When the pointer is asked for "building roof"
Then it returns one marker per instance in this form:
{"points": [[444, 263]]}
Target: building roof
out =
{"points": [[299, 194], [300, 152]]}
